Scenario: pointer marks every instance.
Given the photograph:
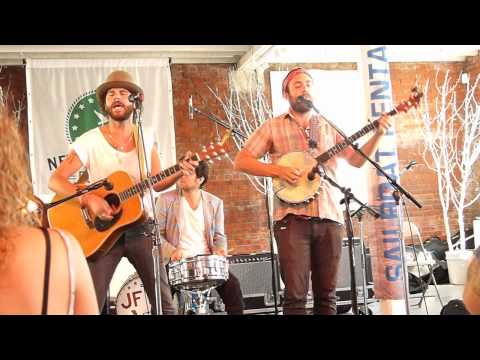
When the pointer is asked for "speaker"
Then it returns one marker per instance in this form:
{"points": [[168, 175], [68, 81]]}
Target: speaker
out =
{"points": [[343, 293], [344, 274], [254, 273]]}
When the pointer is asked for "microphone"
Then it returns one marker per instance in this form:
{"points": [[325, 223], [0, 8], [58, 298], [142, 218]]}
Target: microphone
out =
{"points": [[311, 174], [315, 170], [410, 165], [135, 97], [190, 107], [307, 102]]}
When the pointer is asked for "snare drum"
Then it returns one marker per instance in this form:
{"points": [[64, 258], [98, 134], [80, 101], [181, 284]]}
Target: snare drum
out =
{"points": [[199, 272]]}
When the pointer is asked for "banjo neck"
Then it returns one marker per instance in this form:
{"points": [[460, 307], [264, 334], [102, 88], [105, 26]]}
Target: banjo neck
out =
{"points": [[327, 155]]}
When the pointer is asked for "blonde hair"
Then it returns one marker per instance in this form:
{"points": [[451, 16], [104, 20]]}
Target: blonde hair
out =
{"points": [[15, 185]]}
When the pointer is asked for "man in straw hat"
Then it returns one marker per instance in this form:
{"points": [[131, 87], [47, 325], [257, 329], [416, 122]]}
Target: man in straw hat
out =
{"points": [[308, 236], [102, 151]]}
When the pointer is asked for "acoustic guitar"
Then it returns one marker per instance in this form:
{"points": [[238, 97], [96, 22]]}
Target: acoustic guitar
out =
{"points": [[306, 190], [97, 236]]}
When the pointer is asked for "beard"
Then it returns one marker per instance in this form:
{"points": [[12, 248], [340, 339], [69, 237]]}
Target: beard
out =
{"points": [[299, 106], [125, 116]]}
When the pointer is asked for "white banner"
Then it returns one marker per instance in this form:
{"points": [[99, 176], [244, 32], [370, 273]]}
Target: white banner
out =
{"points": [[384, 233], [62, 105]]}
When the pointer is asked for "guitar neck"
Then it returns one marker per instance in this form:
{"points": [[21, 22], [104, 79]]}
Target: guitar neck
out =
{"points": [[143, 185], [327, 155]]}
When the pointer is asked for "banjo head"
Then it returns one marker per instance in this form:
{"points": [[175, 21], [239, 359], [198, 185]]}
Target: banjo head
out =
{"points": [[305, 190]]}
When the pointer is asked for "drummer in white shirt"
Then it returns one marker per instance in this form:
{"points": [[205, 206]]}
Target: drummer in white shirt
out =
{"points": [[192, 223]]}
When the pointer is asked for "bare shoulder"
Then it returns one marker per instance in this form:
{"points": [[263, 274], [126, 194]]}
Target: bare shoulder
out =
{"points": [[27, 246], [473, 276], [25, 233], [31, 237]]}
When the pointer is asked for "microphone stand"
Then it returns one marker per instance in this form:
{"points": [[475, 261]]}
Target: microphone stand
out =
{"points": [[394, 185], [359, 214], [267, 186], [156, 239], [348, 195], [220, 122], [94, 186]]}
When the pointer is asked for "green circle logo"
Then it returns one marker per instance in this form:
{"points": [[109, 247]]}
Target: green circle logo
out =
{"points": [[83, 115]]}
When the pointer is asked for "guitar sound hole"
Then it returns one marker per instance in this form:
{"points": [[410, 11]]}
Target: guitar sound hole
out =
{"points": [[114, 202]]}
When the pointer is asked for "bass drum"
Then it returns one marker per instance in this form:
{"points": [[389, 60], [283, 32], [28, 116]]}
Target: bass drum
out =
{"points": [[132, 299]]}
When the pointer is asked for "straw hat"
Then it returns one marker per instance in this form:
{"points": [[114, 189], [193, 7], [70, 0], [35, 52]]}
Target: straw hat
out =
{"points": [[116, 79]]}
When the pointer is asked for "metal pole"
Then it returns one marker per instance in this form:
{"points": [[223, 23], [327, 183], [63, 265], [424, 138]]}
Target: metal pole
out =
{"points": [[155, 234], [364, 265], [402, 253]]}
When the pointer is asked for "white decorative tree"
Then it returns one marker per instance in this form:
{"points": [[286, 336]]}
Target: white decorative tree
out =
{"points": [[16, 107], [246, 109], [452, 147]]}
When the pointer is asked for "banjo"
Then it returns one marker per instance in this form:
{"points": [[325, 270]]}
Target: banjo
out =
{"points": [[306, 190]]}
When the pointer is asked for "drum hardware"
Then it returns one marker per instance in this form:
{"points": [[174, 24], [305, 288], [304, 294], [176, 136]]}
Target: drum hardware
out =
{"points": [[197, 302], [364, 293]]}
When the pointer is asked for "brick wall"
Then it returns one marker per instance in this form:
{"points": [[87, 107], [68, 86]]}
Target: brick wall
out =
{"points": [[13, 85]]}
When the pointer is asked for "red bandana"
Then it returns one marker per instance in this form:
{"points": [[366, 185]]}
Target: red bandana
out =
{"points": [[290, 76]]}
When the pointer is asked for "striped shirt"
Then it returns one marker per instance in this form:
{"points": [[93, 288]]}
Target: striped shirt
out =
{"points": [[281, 135]]}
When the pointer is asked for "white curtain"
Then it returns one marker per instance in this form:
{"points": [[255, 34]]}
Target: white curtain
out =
{"points": [[62, 105]]}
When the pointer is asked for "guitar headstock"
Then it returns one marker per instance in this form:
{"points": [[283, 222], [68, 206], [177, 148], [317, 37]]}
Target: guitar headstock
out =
{"points": [[412, 101], [214, 150]]}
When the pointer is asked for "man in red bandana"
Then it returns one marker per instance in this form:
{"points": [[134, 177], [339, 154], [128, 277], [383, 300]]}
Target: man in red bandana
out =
{"points": [[308, 236]]}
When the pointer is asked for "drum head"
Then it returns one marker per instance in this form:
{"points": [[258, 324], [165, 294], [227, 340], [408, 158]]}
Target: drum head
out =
{"points": [[132, 298]]}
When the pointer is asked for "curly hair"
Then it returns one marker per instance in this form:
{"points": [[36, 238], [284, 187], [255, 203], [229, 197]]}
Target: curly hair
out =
{"points": [[15, 185]]}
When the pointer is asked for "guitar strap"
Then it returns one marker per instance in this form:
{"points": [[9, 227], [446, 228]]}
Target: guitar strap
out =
{"points": [[139, 147], [314, 135]]}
